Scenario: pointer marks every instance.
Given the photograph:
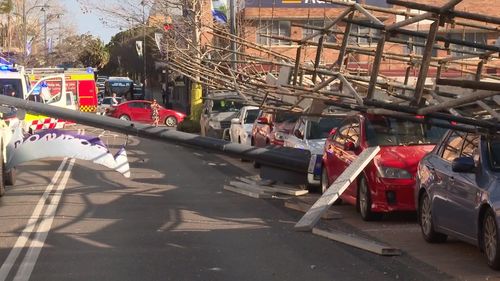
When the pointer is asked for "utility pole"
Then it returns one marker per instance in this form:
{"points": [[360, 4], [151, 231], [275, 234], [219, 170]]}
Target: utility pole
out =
{"points": [[144, 74], [232, 29], [25, 33], [196, 90]]}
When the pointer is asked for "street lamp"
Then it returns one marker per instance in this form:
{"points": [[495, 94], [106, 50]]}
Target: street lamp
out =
{"points": [[44, 10], [25, 32]]}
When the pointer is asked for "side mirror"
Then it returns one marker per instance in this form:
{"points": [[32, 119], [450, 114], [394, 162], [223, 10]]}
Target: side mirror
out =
{"points": [[349, 146], [298, 134], [333, 131], [463, 165], [235, 121], [263, 120]]}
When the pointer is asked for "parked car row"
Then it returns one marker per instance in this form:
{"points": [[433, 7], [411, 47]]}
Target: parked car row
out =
{"points": [[451, 179]]}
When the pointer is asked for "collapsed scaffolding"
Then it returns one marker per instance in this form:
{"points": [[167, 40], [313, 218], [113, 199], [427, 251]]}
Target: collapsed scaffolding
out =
{"points": [[307, 88]]}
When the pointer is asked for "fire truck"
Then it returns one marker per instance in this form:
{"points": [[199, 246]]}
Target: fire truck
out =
{"points": [[79, 81]]}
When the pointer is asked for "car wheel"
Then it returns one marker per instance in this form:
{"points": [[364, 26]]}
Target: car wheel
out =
{"points": [[10, 177], [170, 121], [125, 117], [425, 221], [490, 240], [364, 202]]}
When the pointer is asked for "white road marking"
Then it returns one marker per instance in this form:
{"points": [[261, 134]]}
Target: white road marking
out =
{"points": [[23, 239], [36, 246], [29, 261]]}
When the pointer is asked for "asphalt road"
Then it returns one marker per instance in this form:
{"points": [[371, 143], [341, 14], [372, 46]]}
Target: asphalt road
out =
{"points": [[170, 221]]}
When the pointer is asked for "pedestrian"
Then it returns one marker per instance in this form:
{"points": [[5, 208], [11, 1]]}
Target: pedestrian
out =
{"points": [[155, 115], [114, 100], [164, 93]]}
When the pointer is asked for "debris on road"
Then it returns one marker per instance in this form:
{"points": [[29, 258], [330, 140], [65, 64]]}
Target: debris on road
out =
{"points": [[251, 187], [358, 242]]}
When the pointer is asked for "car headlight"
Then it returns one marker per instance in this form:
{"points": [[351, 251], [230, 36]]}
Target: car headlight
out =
{"points": [[393, 173], [279, 136], [213, 124]]}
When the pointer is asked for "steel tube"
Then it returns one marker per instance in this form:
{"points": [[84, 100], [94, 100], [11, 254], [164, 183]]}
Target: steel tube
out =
{"points": [[281, 157]]}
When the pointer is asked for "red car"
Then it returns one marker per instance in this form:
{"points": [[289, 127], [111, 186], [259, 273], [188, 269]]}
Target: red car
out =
{"points": [[270, 128], [140, 111], [387, 184]]}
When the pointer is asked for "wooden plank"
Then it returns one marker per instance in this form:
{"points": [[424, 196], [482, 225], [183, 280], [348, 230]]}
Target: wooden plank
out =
{"points": [[358, 242], [246, 192], [307, 222], [287, 191], [303, 207]]}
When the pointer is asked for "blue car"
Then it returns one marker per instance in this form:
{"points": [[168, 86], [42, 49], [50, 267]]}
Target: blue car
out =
{"points": [[458, 192]]}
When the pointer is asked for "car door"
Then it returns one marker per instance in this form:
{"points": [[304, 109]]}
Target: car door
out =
{"points": [[443, 209], [138, 111], [340, 158], [463, 192]]}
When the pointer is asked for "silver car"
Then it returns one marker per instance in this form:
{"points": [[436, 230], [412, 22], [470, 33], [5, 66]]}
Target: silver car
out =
{"points": [[310, 134], [458, 192]]}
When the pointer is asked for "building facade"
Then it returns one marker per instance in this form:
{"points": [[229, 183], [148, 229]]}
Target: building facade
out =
{"points": [[288, 18]]}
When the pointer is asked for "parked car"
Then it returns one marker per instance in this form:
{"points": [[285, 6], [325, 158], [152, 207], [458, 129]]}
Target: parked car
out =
{"points": [[105, 103], [387, 184], [310, 134], [271, 128], [241, 126], [458, 192], [140, 111], [218, 110]]}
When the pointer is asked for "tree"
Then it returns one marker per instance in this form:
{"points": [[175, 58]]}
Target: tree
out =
{"points": [[94, 53]]}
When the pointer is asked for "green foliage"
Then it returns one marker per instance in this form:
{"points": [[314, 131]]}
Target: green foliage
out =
{"points": [[94, 53], [189, 126], [80, 51], [123, 57]]}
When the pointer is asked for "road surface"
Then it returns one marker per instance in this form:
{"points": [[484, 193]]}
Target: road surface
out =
{"points": [[74, 220]]}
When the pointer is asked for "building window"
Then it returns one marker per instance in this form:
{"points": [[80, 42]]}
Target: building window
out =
{"points": [[277, 28], [366, 35], [475, 37], [317, 23], [416, 45]]}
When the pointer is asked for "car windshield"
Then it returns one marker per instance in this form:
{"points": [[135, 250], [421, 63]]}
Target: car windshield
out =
{"points": [[286, 117], [251, 116], [321, 129], [226, 106], [386, 131]]}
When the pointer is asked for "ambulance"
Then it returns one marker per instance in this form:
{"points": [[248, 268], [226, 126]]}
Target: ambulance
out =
{"points": [[51, 89]]}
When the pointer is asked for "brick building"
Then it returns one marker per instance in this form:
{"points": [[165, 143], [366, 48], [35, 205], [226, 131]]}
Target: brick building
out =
{"points": [[284, 17]]}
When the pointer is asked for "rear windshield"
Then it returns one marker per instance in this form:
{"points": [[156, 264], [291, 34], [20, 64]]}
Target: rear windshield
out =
{"points": [[251, 116], [390, 131], [226, 106], [321, 129]]}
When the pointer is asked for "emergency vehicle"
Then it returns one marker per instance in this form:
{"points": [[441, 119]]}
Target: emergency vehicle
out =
{"points": [[15, 82], [79, 81]]}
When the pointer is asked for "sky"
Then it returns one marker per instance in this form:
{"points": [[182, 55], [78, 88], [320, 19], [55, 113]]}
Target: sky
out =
{"points": [[88, 22]]}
